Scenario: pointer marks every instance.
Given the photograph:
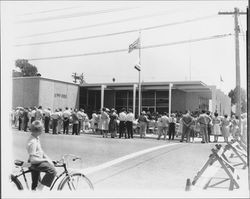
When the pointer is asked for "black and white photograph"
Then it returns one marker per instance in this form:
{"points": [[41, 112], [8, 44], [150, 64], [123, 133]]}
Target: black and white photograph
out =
{"points": [[124, 99]]}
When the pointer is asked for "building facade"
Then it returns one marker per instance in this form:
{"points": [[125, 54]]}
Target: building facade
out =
{"points": [[38, 91], [185, 95]]}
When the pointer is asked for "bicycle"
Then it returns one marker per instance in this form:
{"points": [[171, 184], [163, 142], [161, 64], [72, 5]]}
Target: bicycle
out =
{"points": [[71, 180]]}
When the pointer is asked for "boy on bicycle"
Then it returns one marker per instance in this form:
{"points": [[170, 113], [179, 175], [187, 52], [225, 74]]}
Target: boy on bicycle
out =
{"points": [[40, 162]]}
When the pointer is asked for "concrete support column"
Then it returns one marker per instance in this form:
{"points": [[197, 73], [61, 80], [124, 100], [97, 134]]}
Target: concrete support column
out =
{"points": [[102, 95], [134, 97], [170, 99]]}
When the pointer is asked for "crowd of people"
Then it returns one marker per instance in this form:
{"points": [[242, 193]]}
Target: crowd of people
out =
{"points": [[124, 124]]}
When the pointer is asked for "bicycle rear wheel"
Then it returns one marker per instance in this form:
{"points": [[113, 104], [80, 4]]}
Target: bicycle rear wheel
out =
{"points": [[76, 181], [15, 183]]}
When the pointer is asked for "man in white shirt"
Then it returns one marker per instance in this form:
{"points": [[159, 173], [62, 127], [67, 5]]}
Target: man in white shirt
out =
{"points": [[164, 125], [66, 116], [129, 123], [122, 124], [80, 115], [47, 114]]}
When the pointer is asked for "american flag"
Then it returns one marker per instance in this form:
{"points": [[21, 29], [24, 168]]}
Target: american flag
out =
{"points": [[135, 45]]}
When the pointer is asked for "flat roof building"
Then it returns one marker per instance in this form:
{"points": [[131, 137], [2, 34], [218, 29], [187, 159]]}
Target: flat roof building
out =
{"points": [[185, 95]]}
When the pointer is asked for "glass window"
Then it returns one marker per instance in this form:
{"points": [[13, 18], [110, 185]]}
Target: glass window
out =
{"points": [[148, 94], [121, 94], [148, 102], [161, 102], [162, 94]]}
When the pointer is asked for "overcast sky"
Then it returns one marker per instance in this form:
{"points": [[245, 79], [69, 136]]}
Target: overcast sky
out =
{"points": [[26, 23]]}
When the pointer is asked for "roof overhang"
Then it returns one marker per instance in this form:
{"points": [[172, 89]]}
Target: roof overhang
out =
{"points": [[186, 86]]}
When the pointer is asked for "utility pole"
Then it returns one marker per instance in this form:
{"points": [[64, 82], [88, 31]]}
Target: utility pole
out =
{"points": [[236, 14]]}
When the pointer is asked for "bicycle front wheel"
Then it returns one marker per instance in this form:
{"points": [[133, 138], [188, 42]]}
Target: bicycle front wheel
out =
{"points": [[76, 181]]}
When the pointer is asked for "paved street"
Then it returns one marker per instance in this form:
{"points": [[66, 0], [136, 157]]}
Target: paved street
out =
{"points": [[114, 164]]}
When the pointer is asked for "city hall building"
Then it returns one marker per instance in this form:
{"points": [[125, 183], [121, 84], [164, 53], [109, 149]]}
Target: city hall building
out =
{"points": [[155, 96]]}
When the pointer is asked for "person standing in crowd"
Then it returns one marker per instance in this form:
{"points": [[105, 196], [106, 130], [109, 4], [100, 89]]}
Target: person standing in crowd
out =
{"points": [[25, 119], [16, 117], [20, 119], [186, 128], [40, 162], [33, 114], [55, 117], [113, 123], [129, 123], [159, 126], [225, 124], [122, 124], [172, 123], [143, 121], [39, 114], [80, 119], [47, 114], [209, 126], [244, 127], [204, 120], [66, 116], [216, 126], [75, 122], [99, 122], [60, 121], [164, 126], [94, 122], [234, 128], [192, 128], [105, 122]]}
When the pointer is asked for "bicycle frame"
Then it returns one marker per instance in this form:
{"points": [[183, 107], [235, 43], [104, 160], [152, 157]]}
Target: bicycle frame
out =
{"points": [[23, 172]]}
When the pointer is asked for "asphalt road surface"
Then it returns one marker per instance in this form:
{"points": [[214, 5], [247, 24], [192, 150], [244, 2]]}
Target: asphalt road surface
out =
{"points": [[125, 164]]}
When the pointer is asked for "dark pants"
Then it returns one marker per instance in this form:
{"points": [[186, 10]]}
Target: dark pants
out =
{"points": [[129, 129], [49, 176], [46, 124], [54, 125], [122, 129], [74, 129], [186, 132], [208, 132], [20, 123], [66, 126], [79, 127], [171, 130], [25, 124]]}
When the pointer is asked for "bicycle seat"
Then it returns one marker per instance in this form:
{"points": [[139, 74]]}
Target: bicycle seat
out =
{"points": [[22, 163], [18, 162]]}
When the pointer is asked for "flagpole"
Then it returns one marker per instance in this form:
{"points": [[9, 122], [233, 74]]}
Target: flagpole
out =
{"points": [[139, 95]]}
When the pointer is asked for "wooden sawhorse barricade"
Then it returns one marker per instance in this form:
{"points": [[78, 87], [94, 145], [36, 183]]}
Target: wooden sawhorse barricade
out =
{"points": [[218, 157]]}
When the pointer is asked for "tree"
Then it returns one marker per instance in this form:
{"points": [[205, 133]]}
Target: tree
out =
{"points": [[233, 93], [26, 68]]}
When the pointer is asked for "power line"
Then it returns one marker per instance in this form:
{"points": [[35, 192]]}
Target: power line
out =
{"points": [[126, 50], [51, 10], [95, 25], [78, 14], [116, 33]]}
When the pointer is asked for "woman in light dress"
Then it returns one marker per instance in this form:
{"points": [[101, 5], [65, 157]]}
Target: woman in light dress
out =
{"points": [[235, 127], [225, 124], [216, 126], [105, 122]]}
